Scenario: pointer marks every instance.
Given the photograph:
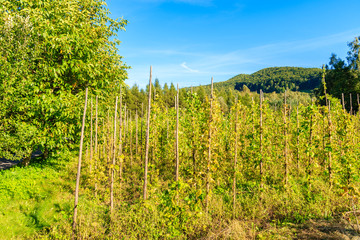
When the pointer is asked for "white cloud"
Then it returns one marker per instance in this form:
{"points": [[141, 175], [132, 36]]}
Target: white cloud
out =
{"points": [[189, 69], [225, 65], [265, 54]]}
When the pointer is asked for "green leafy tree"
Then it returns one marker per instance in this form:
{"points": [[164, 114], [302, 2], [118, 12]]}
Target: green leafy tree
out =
{"points": [[50, 52], [342, 77]]}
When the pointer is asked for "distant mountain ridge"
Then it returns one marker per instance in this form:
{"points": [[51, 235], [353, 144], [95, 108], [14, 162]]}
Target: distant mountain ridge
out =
{"points": [[276, 79]]}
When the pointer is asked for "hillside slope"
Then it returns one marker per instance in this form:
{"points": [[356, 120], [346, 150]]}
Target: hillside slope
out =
{"points": [[276, 79]]}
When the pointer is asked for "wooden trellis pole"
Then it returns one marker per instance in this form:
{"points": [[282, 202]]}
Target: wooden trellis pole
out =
{"points": [[120, 139], [79, 165], [177, 136], [261, 142], [285, 143], [136, 135], [91, 134], [130, 139], [147, 139], [96, 140], [209, 148], [330, 143], [297, 139], [235, 158], [113, 160]]}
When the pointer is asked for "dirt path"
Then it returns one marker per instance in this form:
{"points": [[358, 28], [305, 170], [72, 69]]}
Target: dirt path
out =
{"points": [[332, 229]]}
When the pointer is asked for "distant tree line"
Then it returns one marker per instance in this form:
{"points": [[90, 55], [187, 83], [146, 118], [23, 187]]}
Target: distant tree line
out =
{"points": [[135, 98]]}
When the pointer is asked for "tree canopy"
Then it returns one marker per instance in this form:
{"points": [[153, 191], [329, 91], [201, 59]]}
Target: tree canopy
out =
{"points": [[279, 79], [342, 77], [50, 52]]}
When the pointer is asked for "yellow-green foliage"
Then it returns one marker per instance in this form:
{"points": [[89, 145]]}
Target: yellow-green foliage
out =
{"points": [[264, 204]]}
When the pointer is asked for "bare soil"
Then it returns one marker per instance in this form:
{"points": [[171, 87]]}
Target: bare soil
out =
{"points": [[334, 229]]}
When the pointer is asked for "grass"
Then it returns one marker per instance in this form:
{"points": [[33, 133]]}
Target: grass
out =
{"points": [[34, 198], [36, 202]]}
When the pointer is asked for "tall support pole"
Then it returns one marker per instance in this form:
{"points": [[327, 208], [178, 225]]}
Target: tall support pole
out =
{"points": [[330, 144], [113, 160], [96, 142], [358, 102], [209, 149], [324, 83], [177, 135], [147, 139], [120, 136], [79, 165], [96, 127], [136, 135], [235, 157], [91, 134], [286, 163], [297, 139], [261, 143], [130, 138]]}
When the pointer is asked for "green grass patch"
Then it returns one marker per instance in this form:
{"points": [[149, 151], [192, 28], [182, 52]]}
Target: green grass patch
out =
{"points": [[34, 198]]}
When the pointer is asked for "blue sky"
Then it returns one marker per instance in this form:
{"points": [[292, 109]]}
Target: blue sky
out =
{"points": [[189, 41]]}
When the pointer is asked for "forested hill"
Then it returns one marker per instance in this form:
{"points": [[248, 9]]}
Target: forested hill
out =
{"points": [[276, 79]]}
